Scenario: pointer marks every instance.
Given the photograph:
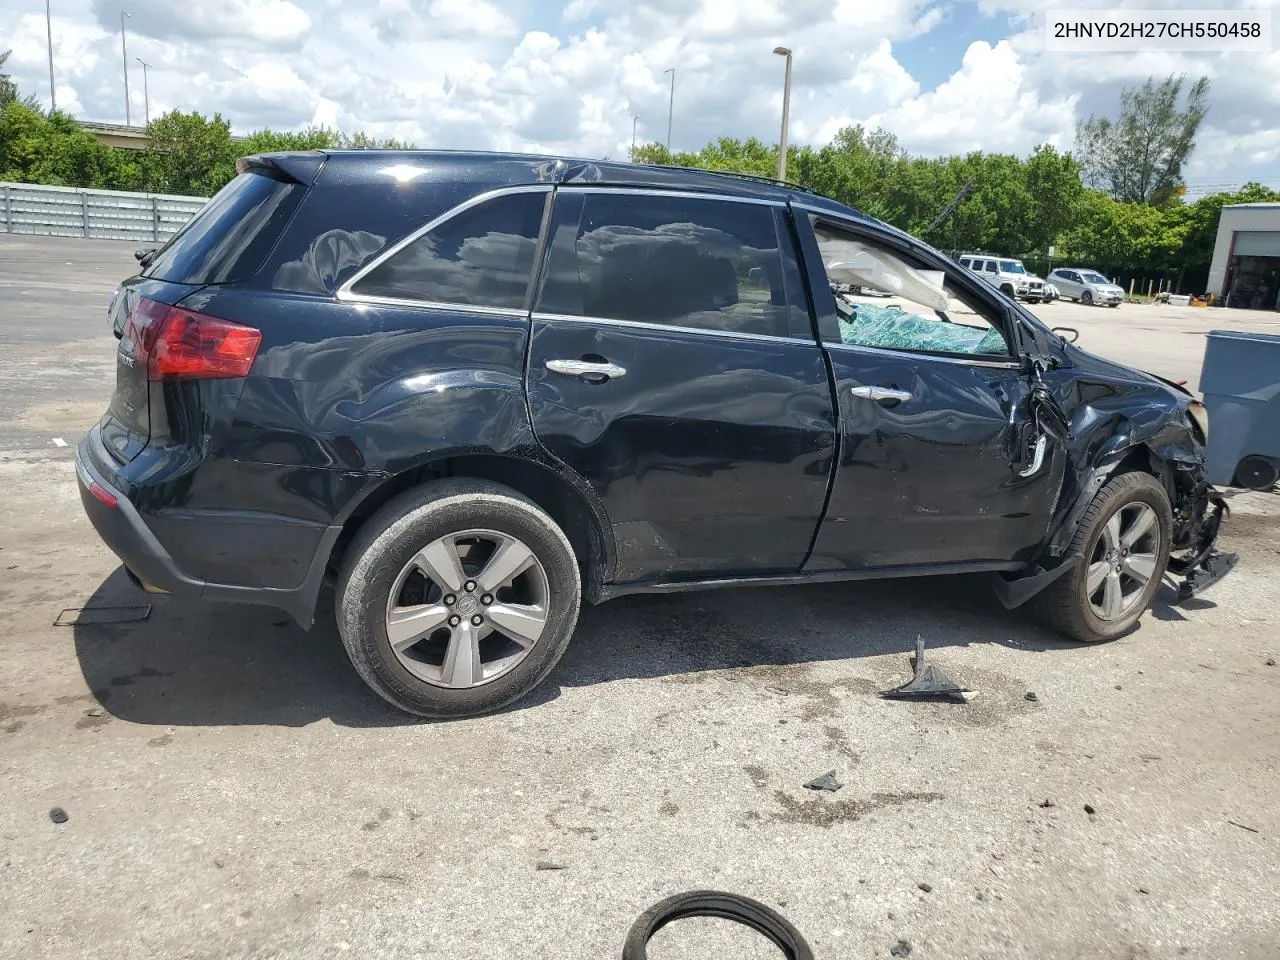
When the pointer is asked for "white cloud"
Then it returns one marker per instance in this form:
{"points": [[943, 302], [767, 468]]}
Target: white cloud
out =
{"points": [[512, 74], [986, 105], [263, 21]]}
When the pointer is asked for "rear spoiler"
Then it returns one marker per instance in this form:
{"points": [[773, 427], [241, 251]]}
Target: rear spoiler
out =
{"points": [[301, 168]]}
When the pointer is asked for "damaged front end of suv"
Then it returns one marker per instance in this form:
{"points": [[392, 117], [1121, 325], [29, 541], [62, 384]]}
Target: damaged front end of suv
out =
{"points": [[1100, 421]]}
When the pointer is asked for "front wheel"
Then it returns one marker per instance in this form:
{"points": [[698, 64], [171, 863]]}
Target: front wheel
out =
{"points": [[457, 598], [1124, 539], [1086, 298], [1113, 305]]}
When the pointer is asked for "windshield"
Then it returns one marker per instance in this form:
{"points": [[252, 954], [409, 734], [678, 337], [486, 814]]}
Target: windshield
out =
{"points": [[1012, 266], [1095, 278]]}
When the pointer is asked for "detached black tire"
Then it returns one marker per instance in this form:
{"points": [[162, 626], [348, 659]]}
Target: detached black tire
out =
{"points": [[457, 598], [1124, 538]]}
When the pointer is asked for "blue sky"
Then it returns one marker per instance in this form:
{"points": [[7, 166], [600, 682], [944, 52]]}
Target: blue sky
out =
{"points": [[568, 76]]}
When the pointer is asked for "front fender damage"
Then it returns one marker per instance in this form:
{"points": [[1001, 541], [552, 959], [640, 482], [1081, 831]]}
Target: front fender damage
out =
{"points": [[1101, 443]]}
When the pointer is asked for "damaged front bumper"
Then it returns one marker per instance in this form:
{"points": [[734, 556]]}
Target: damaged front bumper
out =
{"points": [[1205, 565]]}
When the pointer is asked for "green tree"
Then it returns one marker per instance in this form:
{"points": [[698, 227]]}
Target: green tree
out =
{"points": [[190, 154], [1123, 237], [1138, 157], [274, 141], [52, 150]]}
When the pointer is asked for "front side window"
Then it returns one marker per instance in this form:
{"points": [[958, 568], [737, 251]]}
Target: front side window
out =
{"points": [[1095, 278], [1012, 266], [482, 256], [675, 261], [897, 304]]}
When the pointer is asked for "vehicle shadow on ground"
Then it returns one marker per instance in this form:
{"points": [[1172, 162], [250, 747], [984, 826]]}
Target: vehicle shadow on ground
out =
{"points": [[204, 664]]}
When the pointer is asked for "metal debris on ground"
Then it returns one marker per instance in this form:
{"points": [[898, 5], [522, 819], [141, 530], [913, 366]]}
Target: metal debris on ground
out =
{"points": [[548, 865], [58, 815], [1088, 808], [106, 613], [901, 949], [928, 683], [1242, 826], [926, 887], [1046, 803], [1030, 695], [826, 782]]}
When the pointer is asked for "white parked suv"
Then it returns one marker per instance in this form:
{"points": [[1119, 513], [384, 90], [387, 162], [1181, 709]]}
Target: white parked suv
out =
{"points": [[1087, 286], [1008, 276]]}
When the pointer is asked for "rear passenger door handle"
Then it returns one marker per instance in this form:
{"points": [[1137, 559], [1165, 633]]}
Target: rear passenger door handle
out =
{"points": [[881, 393], [580, 368]]}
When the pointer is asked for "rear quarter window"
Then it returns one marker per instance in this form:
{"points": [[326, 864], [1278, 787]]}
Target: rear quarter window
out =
{"points": [[482, 256], [230, 238]]}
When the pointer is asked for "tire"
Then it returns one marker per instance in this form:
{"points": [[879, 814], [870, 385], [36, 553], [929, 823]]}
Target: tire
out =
{"points": [[1113, 305], [1086, 298], [1066, 604], [1008, 291], [387, 554]]}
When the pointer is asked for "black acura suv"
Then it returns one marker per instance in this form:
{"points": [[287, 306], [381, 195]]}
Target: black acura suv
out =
{"points": [[471, 390]]}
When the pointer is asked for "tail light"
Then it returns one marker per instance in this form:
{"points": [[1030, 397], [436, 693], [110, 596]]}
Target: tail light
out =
{"points": [[179, 344]]}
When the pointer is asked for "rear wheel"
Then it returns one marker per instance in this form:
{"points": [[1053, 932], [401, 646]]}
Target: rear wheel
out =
{"points": [[457, 598], [1124, 538], [1086, 298]]}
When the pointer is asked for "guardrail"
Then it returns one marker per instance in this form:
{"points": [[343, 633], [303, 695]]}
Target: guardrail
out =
{"points": [[104, 214]]}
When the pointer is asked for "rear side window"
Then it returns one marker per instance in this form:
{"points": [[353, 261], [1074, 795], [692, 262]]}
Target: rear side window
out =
{"points": [[675, 261], [482, 256], [230, 238]]}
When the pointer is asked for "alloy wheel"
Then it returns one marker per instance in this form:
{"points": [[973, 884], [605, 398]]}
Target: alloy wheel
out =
{"points": [[1123, 561], [467, 608]]}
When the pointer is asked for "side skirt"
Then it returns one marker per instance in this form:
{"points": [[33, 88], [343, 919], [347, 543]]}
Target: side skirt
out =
{"points": [[609, 591]]}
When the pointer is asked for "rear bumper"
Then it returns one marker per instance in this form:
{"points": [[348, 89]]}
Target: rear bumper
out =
{"points": [[126, 533]]}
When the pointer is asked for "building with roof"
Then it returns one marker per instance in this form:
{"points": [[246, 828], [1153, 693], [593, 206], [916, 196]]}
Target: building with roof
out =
{"points": [[1246, 257]]}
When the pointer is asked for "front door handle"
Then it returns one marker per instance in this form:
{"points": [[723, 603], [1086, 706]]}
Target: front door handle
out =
{"points": [[579, 368], [881, 393]]}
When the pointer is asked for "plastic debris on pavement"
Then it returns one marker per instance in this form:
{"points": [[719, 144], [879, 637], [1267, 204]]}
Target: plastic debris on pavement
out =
{"points": [[928, 683]]}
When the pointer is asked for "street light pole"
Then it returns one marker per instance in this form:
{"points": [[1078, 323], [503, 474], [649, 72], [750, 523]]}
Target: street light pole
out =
{"points": [[671, 106], [124, 56], [786, 114], [634, 121], [146, 93], [48, 25]]}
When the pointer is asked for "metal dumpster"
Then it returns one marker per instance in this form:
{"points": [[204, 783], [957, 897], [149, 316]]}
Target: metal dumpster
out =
{"points": [[1240, 380]]}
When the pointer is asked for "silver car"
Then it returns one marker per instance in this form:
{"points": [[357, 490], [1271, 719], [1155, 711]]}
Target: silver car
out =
{"points": [[1087, 286]]}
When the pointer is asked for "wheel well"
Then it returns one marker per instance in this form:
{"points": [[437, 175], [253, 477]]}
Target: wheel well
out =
{"points": [[554, 495]]}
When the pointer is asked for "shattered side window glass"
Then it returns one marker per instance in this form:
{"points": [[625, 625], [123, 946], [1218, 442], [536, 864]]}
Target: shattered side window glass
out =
{"points": [[885, 302]]}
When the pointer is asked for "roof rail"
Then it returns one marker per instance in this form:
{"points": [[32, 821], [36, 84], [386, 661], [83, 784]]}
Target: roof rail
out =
{"points": [[772, 181]]}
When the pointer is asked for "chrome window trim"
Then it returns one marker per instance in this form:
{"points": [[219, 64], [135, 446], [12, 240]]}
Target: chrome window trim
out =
{"points": [[645, 325], [371, 301], [919, 355], [664, 192], [347, 295]]}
